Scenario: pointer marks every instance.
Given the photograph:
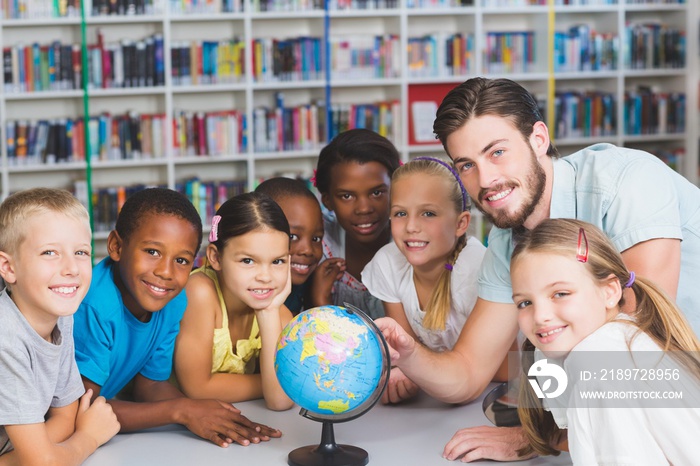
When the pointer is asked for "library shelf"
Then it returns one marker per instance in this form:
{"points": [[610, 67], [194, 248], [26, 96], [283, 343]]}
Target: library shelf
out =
{"points": [[474, 28]]}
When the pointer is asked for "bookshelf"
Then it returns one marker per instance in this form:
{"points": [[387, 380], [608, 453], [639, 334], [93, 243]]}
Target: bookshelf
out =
{"points": [[445, 41]]}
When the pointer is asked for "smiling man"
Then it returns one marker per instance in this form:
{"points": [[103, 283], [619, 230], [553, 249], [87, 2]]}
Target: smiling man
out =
{"points": [[496, 137]]}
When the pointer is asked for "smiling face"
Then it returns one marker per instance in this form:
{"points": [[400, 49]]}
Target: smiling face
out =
{"points": [[50, 272], [559, 302], [253, 268], [359, 196], [306, 226], [502, 172], [424, 222], [154, 263]]}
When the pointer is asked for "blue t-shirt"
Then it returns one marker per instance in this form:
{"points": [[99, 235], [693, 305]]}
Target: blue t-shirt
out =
{"points": [[629, 194], [112, 346]]}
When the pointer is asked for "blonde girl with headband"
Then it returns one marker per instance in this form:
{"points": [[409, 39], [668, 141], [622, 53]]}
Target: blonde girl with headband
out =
{"points": [[426, 277], [568, 281], [226, 346]]}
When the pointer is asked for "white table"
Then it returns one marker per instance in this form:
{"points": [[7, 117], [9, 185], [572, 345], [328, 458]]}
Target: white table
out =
{"points": [[412, 434]]}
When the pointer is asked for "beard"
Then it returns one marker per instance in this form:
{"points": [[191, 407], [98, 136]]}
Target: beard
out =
{"points": [[534, 188]]}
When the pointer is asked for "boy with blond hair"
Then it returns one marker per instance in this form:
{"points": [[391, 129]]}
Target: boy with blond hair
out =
{"points": [[45, 263]]}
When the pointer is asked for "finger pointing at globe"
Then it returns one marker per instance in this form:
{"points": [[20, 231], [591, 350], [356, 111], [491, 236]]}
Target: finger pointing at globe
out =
{"points": [[401, 344]]}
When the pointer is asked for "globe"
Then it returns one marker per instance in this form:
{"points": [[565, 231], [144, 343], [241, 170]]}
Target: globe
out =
{"points": [[333, 362]]}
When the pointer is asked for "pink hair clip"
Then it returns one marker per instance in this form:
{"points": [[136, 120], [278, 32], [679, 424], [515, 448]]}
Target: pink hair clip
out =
{"points": [[313, 179], [582, 248], [214, 233]]}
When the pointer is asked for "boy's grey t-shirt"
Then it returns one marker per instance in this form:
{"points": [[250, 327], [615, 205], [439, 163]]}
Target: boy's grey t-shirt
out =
{"points": [[35, 375]]}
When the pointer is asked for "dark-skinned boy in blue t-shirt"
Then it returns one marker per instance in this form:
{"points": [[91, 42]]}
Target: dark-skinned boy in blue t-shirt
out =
{"points": [[126, 326]]}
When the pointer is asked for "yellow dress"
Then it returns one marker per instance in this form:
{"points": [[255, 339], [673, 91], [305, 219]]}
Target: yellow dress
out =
{"points": [[223, 358]]}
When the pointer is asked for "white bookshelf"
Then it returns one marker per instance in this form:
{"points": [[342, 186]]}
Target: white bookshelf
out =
{"points": [[478, 19]]}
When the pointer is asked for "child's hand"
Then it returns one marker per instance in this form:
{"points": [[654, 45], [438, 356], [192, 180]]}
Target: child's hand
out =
{"points": [[324, 276], [97, 419], [399, 388], [223, 424], [282, 296]]}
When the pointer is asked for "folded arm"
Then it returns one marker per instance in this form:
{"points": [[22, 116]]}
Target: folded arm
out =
{"points": [[68, 437]]}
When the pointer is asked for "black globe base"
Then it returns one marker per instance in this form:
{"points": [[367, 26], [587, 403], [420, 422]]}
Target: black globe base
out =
{"points": [[328, 453]]}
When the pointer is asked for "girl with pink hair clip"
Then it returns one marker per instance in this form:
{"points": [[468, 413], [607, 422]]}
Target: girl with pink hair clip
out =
{"points": [[235, 310]]}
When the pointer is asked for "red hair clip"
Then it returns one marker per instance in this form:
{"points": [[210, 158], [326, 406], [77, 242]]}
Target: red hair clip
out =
{"points": [[582, 248]]}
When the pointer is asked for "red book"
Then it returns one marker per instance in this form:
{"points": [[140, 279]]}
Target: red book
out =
{"points": [[176, 135], [29, 68], [197, 63], [76, 55], [201, 134], [116, 142], [78, 140]]}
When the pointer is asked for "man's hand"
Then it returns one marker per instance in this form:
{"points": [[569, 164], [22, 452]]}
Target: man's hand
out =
{"points": [[401, 344], [223, 424], [486, 442], [399, 388]]}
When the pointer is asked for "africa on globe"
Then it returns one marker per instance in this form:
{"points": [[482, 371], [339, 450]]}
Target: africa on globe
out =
{"points": [[331, 361]]}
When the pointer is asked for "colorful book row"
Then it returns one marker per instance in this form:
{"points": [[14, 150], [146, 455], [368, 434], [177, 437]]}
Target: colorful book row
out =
{"points": [[131, 136], [584, 114], [33, 9], [108, 201], [123, 7], [287, 5], [31, 142], [126, 63], [180, 7], [284, 128], [207, 62], [510, 52], [209, 133], [207, 196], [657, 2], [365, 56], [300, 58], [649, 112], [46, 67], [362, 4], [583, 49], [432, 4], [57, 66], [381, 117], [119, 137], [440, 54], [654, 45]]}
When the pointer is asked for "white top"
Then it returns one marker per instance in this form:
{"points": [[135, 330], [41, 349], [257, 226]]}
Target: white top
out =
{"points": [[389, 277], [630, 435]]}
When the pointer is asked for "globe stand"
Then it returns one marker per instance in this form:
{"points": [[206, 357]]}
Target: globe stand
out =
{"points": [[328, 453]]}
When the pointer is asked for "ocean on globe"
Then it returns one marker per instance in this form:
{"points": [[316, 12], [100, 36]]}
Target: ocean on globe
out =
{"points": [[331, 361]]}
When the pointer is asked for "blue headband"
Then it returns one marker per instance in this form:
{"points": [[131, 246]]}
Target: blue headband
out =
{"points": [[465, 196]]}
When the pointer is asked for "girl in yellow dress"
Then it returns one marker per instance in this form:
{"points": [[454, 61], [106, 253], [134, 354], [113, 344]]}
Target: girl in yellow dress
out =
{"points": [[226, 346]]}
